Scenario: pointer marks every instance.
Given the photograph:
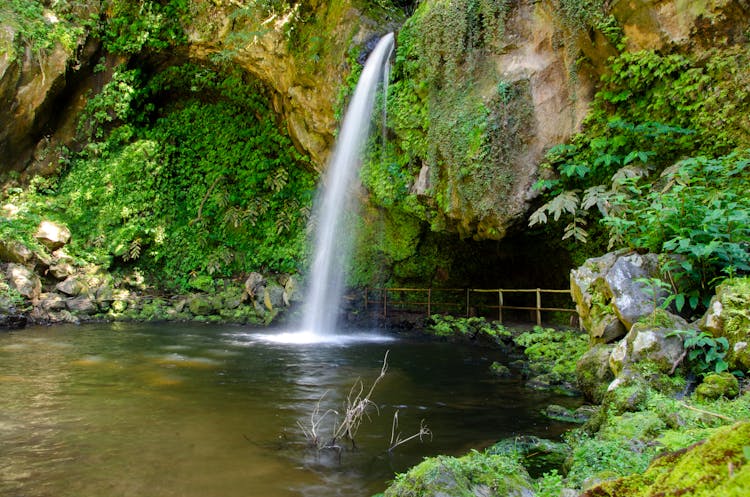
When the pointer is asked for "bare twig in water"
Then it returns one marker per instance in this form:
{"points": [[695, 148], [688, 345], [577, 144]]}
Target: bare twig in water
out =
{"points": [[311, 431], [396, 439], [356, 407]]}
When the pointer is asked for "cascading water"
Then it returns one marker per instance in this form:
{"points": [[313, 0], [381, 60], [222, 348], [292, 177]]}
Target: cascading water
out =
{"points": [[331, 242]]}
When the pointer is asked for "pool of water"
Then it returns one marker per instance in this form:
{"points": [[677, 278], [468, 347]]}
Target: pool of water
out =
{"points": [[159, 410]]}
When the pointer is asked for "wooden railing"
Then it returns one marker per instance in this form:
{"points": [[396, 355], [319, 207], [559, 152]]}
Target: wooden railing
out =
{"points": [[458, 301]]}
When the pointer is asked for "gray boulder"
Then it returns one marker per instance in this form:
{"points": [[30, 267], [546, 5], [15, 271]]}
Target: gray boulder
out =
{"points": [[254, 285], [593, 372], [71, 286], [52, 235], [608, 296], [52, 302], [82, 305], [14, 251], [61, 270], [727, 316], [24, 280], [651, 341]]}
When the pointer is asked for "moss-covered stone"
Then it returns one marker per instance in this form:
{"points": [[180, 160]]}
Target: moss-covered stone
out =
{"points": [[716, 467], [593, 372], [729, 316], [717, 385], [473, 475], [538, 455]]}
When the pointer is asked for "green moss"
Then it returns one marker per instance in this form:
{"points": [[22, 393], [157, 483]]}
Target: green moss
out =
{"points": [[462, 477], [734, 295], [553, 351], [716, 467], [717, 385], [473, 328]]}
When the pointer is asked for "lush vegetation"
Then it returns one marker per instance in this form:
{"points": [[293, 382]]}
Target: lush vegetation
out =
{"points": [[663, 165], [208, 184]]}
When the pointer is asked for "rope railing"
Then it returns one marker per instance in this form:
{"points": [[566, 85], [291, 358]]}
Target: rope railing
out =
{"points": [[457, 301]]}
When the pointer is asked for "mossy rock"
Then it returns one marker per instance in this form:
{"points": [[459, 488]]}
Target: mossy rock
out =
{"points": [[538, 455], [728, 315], [500, 370], [716, 467], [593, 372], [473, 475], [717, 385], [201, 305]]}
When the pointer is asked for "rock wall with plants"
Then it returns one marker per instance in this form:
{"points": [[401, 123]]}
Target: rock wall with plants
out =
{"points": [[184, 138]]}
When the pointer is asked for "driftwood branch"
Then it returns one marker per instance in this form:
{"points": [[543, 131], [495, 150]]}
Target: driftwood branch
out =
{"points": [[726, 418]]}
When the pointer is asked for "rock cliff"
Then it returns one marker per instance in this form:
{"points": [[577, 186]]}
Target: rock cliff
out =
{"points": [[551, 52]]}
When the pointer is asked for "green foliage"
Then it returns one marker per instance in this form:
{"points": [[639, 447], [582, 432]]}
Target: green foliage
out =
{"points": [[594, 456], [629, 169], [705, 354], [550, 484], [136, 25], [473, 328], [41, 28], [209, 185]]}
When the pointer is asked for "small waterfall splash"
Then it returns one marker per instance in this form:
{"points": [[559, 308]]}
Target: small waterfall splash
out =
{"points": [[326, 281]]}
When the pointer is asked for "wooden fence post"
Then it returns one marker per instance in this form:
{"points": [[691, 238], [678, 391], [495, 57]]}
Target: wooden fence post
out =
{"points": [[429, 302], [385, 303], [538, 307], [500, 306]]}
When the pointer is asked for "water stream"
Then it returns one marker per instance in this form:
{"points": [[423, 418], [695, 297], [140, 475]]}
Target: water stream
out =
{"points": [[332, 241], [161, 410]]}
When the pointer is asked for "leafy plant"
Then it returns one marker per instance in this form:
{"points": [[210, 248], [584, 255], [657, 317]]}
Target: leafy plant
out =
{"points": [[705, 353]]}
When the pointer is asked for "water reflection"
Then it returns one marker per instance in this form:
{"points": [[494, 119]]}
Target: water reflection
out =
{"points": [[147, 410]]}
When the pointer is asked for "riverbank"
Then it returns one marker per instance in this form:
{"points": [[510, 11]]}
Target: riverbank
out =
{"points": [[667, 408]]}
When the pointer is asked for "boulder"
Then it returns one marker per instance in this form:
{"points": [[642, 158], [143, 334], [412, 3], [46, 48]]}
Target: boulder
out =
{"points": [[610, 293], [200, 305], [82, 304], [651, 341], [539, 455], [500, 476], [500, 370], [52, 302], [631, 298], [104, 295], [593, 372], [14, 251], [12, 320], [292, 291], [728, 316], [71, 286], [716, 466], [717, 385], [61, 270], [273, 296], [52, 235], [254, 285], [24, 280]]}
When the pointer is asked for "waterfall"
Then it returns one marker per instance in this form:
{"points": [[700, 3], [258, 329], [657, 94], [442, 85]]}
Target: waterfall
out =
{"points": [[330, 259]]}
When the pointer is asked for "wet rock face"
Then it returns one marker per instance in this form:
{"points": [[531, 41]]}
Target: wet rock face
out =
{"points": [[29, 85]]}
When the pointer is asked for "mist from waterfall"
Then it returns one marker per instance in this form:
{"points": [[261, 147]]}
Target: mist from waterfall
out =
{"points": [[335, 199]]}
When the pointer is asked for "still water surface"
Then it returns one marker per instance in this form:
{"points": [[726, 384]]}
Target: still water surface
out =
{"points": [[144, 410]]}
